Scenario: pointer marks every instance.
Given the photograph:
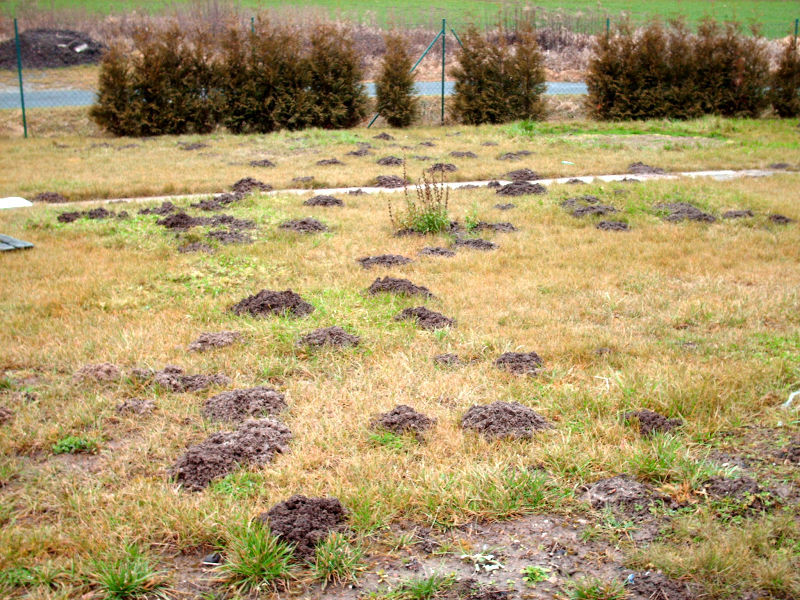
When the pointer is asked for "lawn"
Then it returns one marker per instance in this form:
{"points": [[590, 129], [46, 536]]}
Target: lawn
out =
{"points": [[696, 321]]}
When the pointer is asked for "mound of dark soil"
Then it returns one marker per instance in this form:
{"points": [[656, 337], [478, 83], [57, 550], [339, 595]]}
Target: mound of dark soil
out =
{"points": [[165, 209], [176, 379], [581, 206], [6, 415], [780, 166], [613, 226], [253, 443], [357, 192], [780, 219], [50, 197], [639, 168], [448, 360], [50, 48], [305, 522], [94, 214], [654, 585], [329, 162], [504, 420], [436, 251], [489, 144], [237, 405], [651, 422], [384, 260], [210, 340], [463, 154], [425, 318], [427, 143], [398, 286], [329, 336], [192, 146], [264, 162], [390, 181], [305, 179], [498, 227], [403, 419], [218, 202], [493, 184], [790, 454], [136, 406], [181, 220], [514, 155], [742, 488], [624, 492], [390, 161], [248, 185], [574, 180], [323, 201], [306, 225], [363, 151], [630, 180], [383, 136], [507, 206], [521, 188], [680, 211], [268, 302], [522, 175], [442, 168], [195, 247], [520, 363], [476, 244], [737, 214], [229, 236], [98, 372]]}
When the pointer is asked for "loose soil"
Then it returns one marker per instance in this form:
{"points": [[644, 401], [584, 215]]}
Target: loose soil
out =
{"points": [[613, 226], [390, 181], [176, 379], [248, 185], [50, 197], [497, 227], [363, 151], [427, 143], [680, 211], [507, 206], [210, 340], [306, 225], [255, 442], [305, 522], [744, 490], [229, 236], [476, 244], [650, 422], [196, 247], [514, 155], [218, 202], [639, 168], [383, 136], [136, 406], [448, 360], [305, 180], [238, 405], [522, 175], [493, 184], [442, 168], [323, 201], [737, 214], [398, 286], [463, 154], [521, 188], [102, 372], [268, 302], [165, 209], [95, 214], [6, 415], [653, 585], [192, 146], [384, 260], [625, 493], [264, 162], [790, 454], [183, 221], [403, 419], [436, 251], [581, 206], [520, 363], [780, 219], [575, 181], [50, 48], [425, 318], [504, 420], [329, 336], [390, 161], [329, 162]]}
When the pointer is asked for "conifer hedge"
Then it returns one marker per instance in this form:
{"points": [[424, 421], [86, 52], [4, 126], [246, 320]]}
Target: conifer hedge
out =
{"points": [[394, 87]]}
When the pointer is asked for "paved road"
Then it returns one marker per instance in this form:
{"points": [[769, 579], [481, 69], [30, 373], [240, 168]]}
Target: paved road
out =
{"points": [[53, 98]]}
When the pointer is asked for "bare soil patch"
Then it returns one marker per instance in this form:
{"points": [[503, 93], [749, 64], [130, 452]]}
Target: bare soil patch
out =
{"points": [[384, 260], [176, 379], [183, 221], [521, 188], [504, 420], [442, 168], [398, 286], [403, 419], [780, 219], [305, 522], [329, 162], [522, 175], [323, 201], [102, 372], [217, 339], [613, 226], [476, 244], [436, 251], [790, 454], [165, 208], [625, 493], [306, 225], [425, 318], [329, 336], [390, 181], [248, 185], [255, 442], [50, 48], [136, 406], [264, 162], [496, 227], [238, 405], [390, 161], [681, 211], [268, 302], [463, 154], [639, 168], [650, 422], [520, 363], [50, 198], [737, 214]]}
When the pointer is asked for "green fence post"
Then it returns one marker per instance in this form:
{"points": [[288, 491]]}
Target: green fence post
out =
{"points": [[444, 53], [608, 26], [252, 25], [796, 25], [19, 72]]}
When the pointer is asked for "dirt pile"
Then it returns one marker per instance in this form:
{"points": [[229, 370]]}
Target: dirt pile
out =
{"points": [[383, 136], [504, 420], [521, 188], [390, 161], [390, 181], [790, 454], [136, 406], [623, 492], [229, 236], [384, 260], [218, 202], [306, 225], [574, 181], [428, 143], [403, 419], [264, 162], [329, 336], [101, 372], [514, 155], [780, 219], [651, 422], [210, 340], [425, 318], [493, 184], [329, 162], [363, 151], [639, 168], [497, 227], [248, 185], [304, 181], [436, 251], [238, 405], [681, 211], [95, 214], [50, 48], [442, 168], [323, 201], [50, 198], [192, 146], [476, 244], [176, 379], [737, 214], [744, 490], [183, 221], [520, 363], [507, 206], [580, 206], [268, 302], [613, 226], [253, 443], [6, 415], [305, 522], [398, 286], [463, 154], [165, 209], [522, 175]]}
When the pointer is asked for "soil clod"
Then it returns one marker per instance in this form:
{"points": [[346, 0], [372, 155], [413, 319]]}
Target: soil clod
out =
{"points": [[390, 161], [101, 372], [363, 151], [463, 154], [237, 405], [521, 188], [268, 302], [403, 419], [323, 201], [476, 244], [497, 227], [248, 185], [329, 162], [680, 211], [306, 225], [384, 260], [398, 286], [639, 168], [493, 184], [742, 488], [504, 420], [737, 214], [176, 379], [383, 136], [580, 206], [613, 226], [448, 360], [522, 175], [50, 198], [520, 363], [425, 318], [442, 168], [264, 162], [436, 251], [654, 585], [651, 422], [305, 522], [390, 181], [513, 155], [210, 340], [229, 236], [780, 219], [165, 209], [329, 336]]}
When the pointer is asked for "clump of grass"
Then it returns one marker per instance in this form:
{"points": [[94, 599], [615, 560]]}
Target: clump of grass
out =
{"points": [[392, 441], [238, 485], [257, 560], [73, 444], [428, 212], [425, 588], [337, 560], [597, 589], [128, 576], [24, 577]]}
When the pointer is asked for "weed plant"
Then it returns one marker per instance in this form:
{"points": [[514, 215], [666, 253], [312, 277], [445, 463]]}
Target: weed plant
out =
{"points": [[428, 213]]}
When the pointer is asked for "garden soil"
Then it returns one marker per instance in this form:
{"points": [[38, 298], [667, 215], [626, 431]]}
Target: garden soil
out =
{"points": [[268, 302], [329, 336], [305, 522], [504, 420], [398, 286], [238, 405], [425, 318], [403, 419]]}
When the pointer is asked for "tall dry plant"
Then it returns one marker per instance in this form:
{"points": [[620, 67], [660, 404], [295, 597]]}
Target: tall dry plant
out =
{"points": [[396, 99], [426, 211]]}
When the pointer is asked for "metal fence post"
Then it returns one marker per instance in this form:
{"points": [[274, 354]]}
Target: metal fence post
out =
{"points": [[252, 25], [608, 26], [19, 72], [444, 52], [796, 25]]}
